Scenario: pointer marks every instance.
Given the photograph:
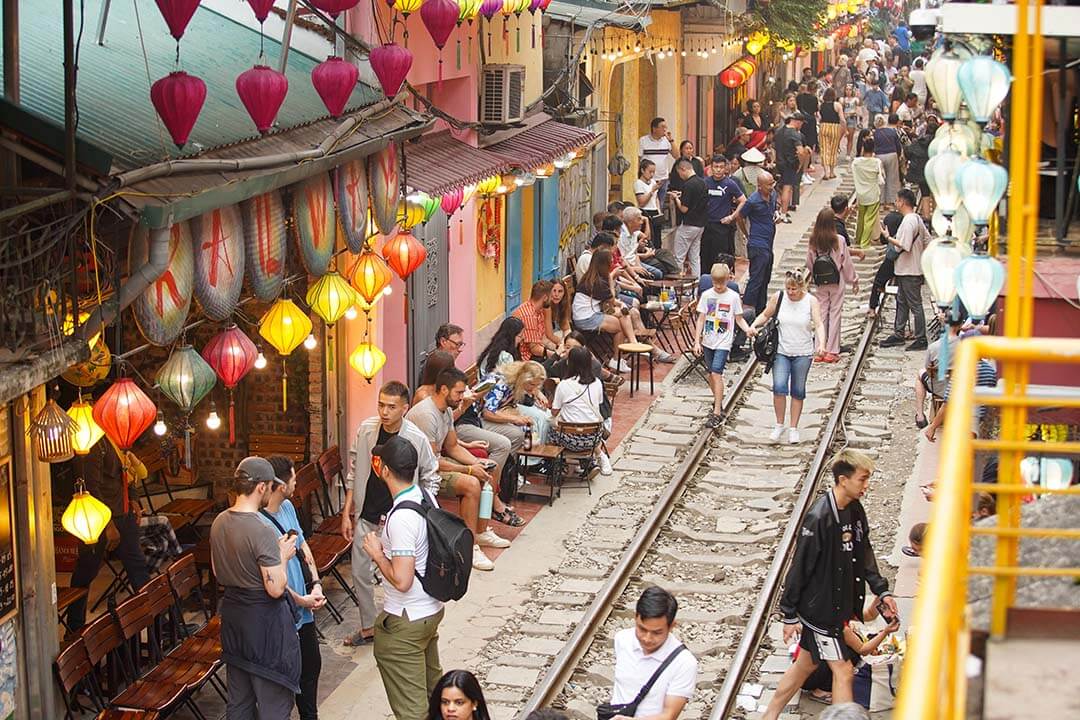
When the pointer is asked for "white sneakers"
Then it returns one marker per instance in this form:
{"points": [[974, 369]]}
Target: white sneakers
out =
{"points": [[777, 431], [605, 463], [621, 366], [488, 538], [793, 436], [480, 561]]}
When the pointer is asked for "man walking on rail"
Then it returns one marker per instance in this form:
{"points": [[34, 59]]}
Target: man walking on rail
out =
{"points": [[825, 586]]}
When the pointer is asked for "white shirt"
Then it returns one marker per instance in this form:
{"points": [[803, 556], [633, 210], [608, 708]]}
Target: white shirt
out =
{"points": [[583, 307], [633, 668], [578, 403], [582, 266], [659, 151], [641, 187], [796, 323], [865, 55], [405, 534], [721, 309], [918, 79], [628, 242]]}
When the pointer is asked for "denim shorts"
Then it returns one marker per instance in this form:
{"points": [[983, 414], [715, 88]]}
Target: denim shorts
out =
{"points": [[715, 360], [789, 375], [591, 323]]}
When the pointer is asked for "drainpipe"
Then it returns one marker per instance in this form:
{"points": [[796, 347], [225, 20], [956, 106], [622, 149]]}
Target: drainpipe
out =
{"points": [[155, 266]]}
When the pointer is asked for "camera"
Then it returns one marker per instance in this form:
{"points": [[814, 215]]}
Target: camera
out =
{"points": [[923, 22]]}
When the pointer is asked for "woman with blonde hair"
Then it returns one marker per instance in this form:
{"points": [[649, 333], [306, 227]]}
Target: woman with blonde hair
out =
{"points": [[832, 270], [517, 399], [799, 319]]}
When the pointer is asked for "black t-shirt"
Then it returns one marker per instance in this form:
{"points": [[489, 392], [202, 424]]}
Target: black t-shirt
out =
{"points": [[377, 500], [695, 198], [808, 103], [787, 141], [844, 558], [841, 230], [892, 222]]}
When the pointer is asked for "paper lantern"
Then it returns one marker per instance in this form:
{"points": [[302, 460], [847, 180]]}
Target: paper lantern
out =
{"points": [[85, 517], [942, 79], [369, 276], [404, 253], [334, 80], [490, 8], [232, 355], [92, 370], [429, 205], [124, 412], [331, 297], [178, 99], [177, 14], [407, 7], [409, 214], [940, 175], [85, 433], [978, 282], [186, 378], [738, 72], [284, 326], [981, 184], [468, 10], [440, 17], [957, 136], [939, 262], [391, 63], [262, 90], [451, 201], [754, 47], [51, 433], [367, 360], [261, 8], [487, 186], [333, 8]]}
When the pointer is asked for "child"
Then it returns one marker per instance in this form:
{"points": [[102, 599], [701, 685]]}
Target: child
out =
{"points": [[916, 537], [719, 310]]}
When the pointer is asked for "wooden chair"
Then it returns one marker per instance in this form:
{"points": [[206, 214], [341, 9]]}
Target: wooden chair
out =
{"points": [[185, 582], [580, 466], [548, 485], [332, 472], [74, 672], [162, 462], [204, 645], [327, 550], [123, 714], [293, 447], [103, 642]]}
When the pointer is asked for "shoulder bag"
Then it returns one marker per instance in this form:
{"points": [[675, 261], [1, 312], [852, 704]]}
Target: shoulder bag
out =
{"points": [[606, 711], [767, 341], [305, 570]]}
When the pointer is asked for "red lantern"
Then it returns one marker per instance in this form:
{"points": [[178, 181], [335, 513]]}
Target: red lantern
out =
{"points": [[404, 253], [178, 99], [261, 8], [124, 412], [334, 7], [232, 355], [737, 73], [451, 201], [440, 17], [334, 80], [262, 90], [177, 14], [391, 64]]}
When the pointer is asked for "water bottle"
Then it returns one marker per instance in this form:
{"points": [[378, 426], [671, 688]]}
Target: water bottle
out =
{"points": [[486, 498], [528, 437]]}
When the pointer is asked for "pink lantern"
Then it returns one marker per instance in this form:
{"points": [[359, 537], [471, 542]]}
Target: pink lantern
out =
{"points": [[440, 17], [177, 14], [261, 8], [451, 201], [391, 64], [490, 8], [262, 90], [333, 8], [178, 99], [334, 80]]}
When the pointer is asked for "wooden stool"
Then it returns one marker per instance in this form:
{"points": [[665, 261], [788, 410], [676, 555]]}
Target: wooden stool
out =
{"points": [[635, 351]]}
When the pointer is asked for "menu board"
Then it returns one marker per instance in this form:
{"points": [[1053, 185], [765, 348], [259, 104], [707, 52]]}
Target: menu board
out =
{"points": [[9, 594]]}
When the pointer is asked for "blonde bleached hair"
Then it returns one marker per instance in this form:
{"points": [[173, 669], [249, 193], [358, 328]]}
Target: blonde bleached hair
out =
{"points": [[519, 374], [799, 277]]}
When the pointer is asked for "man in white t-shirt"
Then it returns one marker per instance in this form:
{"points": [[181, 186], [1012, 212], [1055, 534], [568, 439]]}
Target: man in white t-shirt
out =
{"points": [[658, 146], [641, 650], [719, 310], [407, 630], [866, 54]]}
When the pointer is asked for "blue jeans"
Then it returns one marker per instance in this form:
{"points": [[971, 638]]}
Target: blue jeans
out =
{"points": [[655, 272], [789, 375], [661, 198], [715, 360]]}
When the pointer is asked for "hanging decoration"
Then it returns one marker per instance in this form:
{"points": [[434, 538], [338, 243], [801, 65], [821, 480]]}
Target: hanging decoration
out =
{"points": [[124, 412], [262, 9], [85, 517], [178, 99], [264, 244], [738, 72], [489, 229], [404, 253], [316, 222], [508, 8], [439, 17], [335, 79], [331, 297], [534, 6], [430, 206], [232, 355], [467, 10], [333, 8], [391, 63], [219, 261], [161, 310], [284, 326], [370, 276], [351, 193], [93, 370], [367, 359], [186, 378], [452, 201], [262, 90], [984, 83], [384, 169], [489, 9], [488, 186], [177, 14], [85, 433], [409, 213], [942, 79], [407, 7], [51, 433]]}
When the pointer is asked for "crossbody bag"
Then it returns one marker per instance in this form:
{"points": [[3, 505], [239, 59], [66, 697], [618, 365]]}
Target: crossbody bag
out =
{"points": [[305, 570], [606, 711]]}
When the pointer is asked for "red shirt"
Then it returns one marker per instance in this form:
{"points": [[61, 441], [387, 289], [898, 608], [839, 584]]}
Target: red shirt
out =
{"points": [[535, 327]]}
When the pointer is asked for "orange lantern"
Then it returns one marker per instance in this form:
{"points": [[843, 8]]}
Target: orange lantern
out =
{"points": [[124, 412], [738, 72], [370, 275], [404, 253]]}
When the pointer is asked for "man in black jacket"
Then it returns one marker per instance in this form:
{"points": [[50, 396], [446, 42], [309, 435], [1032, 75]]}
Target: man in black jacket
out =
{"points": [[825, 587]]}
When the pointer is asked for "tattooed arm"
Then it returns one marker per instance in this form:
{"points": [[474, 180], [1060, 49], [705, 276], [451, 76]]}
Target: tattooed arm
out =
{"points": [[273, 576]]}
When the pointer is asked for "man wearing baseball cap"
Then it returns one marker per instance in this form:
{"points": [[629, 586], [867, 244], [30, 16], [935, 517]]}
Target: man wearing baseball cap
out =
{"points": [[259, 643]]}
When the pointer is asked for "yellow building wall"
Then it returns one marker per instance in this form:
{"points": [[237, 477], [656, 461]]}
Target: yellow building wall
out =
{"points": [[491, 281], [516, 49], [528, 218]]}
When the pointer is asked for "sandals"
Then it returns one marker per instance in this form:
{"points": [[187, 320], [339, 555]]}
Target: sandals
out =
{"points": [[507, 517], [921, 422], [714, 421], [358, 638], [824, 698]]}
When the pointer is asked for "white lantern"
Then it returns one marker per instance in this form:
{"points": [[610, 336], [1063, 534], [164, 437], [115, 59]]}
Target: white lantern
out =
{"points": [[940, 175], [981, 184], [957, 136], [939, 262], [984, 83], [978, 283], [942, 79]]}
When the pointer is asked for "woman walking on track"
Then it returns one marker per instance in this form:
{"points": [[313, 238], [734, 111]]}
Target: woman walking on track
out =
{"points": [[799, 318], [888, 149], [852, 108], [832, 123], [831, 267], [868, 175]]}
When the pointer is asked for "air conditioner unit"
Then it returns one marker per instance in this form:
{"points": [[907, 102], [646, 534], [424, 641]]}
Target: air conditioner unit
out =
{"points": [[502, 93]]}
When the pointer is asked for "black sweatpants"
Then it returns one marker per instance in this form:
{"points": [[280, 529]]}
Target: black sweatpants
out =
{"points": [[307, 702], [87, 567]]}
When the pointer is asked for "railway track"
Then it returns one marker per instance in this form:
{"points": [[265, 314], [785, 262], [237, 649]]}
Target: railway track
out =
{"points": [[717, 532]]}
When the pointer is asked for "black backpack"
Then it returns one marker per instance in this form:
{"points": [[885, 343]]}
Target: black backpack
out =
{"points": [[767, 340], [825, 271], [450, 548]]}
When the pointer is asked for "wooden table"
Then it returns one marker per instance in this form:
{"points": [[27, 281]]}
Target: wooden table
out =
{"points": [[65, 598]]}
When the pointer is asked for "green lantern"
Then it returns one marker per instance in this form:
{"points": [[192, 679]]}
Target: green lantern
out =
{"points": [[429, 203], [186, 378]]}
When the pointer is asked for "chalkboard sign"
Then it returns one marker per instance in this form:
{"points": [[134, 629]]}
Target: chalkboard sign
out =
{"points": [[9, 593]]}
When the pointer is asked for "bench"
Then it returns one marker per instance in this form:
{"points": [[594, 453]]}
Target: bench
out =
{"points": [[293, 447]]}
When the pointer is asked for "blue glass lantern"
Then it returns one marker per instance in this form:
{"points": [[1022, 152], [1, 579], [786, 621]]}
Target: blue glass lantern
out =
{"points": [[981, 185], [978, 283], [984, 83]]}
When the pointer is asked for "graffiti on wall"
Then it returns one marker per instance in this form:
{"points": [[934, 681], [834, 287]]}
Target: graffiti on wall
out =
{"points": [[575, 209]]}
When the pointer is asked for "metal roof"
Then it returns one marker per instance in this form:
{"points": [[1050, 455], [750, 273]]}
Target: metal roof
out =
{"points": [[542, 143], [439, 163], [594, 13], [115, 113]]}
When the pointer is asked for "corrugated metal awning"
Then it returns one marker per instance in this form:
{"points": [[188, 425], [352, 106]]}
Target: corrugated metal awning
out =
{"points": [[542, 143], [585, 14], [439, 163]]}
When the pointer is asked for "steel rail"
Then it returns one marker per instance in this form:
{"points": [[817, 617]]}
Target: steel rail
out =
{"points": [[576, 646], [746, 653]]}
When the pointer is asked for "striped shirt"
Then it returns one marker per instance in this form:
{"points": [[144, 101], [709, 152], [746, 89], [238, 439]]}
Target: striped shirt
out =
{"points": [[659, 151], [534, 333]]}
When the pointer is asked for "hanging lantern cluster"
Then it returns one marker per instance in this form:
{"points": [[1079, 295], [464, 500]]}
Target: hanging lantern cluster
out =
{"points": [[178, 97], [738, 72]]}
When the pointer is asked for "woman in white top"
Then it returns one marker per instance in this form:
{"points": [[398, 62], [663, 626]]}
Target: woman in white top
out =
{"points": [[799, 320], [577, 400], [646, 188]]}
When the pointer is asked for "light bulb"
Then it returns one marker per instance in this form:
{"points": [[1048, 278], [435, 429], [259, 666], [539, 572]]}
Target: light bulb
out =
{"points": [[350, 314], [213, 422], [260, 361], [310, 342], [160, 428], [387, 290]]}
